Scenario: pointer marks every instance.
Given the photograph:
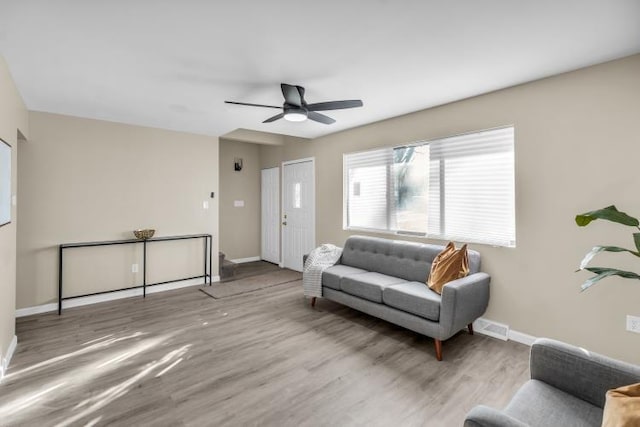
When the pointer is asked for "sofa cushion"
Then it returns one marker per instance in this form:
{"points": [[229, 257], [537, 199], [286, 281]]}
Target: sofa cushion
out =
{"points": [[332, 275], [408, 260], [539, 404], [415, 298], [368, 285]]}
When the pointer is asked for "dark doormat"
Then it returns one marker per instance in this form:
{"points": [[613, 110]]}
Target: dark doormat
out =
{"points": [[251, 284]]}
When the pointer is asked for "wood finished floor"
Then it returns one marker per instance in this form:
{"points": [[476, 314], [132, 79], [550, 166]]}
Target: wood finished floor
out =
{"points": [[265, 358]]}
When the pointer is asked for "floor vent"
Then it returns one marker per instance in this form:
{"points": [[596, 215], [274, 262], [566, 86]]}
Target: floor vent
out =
{"points": [[493, 329]]}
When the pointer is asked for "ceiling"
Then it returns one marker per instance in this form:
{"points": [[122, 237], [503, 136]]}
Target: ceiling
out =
{"points": [[171, 64]]}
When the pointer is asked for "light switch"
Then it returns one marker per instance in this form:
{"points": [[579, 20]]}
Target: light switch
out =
{"points": [[205, 204], [238, 203], [14, 200]]}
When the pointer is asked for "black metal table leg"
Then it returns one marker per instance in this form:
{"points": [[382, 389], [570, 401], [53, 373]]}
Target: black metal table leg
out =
{"points": [[59, 280], [144, 269], [210, 238]]}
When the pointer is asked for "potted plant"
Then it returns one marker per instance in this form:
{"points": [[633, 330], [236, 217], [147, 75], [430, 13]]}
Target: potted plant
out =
{"points": [[610, 213]]}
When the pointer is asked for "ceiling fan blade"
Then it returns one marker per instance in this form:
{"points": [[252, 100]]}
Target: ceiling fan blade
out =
{"points": [[334, 105], [291, 94], [250, 105], [274, 118], [320, 118]]}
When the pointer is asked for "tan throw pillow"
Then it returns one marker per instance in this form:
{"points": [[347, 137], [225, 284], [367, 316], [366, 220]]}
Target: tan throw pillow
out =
{"points": [[450, 264], [622, 407]]}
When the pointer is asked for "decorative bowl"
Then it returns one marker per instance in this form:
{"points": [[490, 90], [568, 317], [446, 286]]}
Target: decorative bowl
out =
{"points": [[144, 234]]}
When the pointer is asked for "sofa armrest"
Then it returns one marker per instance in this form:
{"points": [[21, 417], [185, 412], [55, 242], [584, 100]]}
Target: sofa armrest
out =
{"points": [[579, 372], [483, 416], [463, 301]]}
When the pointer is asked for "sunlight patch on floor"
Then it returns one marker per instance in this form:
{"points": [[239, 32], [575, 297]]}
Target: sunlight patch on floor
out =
{"points": [[101, 400], [168, 368], [61, 358], [27, 402], [81, 375], [98, 339]]}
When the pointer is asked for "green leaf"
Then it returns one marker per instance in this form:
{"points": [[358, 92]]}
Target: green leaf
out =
{"points": [[602, 273], [597, 249], [610, 213], [636, 240]]}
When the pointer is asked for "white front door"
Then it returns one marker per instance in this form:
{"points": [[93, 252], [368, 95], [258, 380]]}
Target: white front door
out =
{"points": [[270, 206], [298, 212]]}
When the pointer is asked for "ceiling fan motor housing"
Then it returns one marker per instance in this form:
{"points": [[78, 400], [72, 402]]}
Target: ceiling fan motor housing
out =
{"points": [[294, 113]]}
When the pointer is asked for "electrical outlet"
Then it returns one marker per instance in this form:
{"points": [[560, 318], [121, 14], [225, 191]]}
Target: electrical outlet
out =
{"points": [[633, 324], [134, 268]]}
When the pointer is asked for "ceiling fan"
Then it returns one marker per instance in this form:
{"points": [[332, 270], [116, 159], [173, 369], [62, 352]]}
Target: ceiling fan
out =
{"points": [[296, 109]]}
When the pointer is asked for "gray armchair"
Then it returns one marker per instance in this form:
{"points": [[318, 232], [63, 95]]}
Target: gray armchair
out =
{"points": [[567, 388]]}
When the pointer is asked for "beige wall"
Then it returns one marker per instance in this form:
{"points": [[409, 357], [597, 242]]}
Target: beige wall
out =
{"points": [[13, 117], [577, 149], [86, 180], [239, 226]]}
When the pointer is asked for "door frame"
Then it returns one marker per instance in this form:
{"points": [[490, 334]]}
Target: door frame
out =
{"points": [[313, 198]]}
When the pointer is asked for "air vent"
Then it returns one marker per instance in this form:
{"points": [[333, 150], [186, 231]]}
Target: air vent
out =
{"points": [[492, 329]]}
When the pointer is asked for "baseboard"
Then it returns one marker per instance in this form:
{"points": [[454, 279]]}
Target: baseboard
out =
{"points": [[6, 360], [94, 299], [521, 337], [44, 308], [508, 334], [243, 260]]}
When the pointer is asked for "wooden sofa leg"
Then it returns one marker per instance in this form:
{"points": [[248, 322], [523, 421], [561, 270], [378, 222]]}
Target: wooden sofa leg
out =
{"points": [[313, 302], [438, 344], [470, 327]]}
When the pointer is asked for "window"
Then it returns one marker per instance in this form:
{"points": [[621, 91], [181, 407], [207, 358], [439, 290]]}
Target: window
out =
{"points": [[457, 188]]}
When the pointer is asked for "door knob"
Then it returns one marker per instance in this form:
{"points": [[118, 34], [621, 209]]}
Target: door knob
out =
{"points": [[284, 222]]}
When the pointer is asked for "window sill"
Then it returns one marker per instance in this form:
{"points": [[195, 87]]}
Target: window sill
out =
{"points": [[425, 237]]}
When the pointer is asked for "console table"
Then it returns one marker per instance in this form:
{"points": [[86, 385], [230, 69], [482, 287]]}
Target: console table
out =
{"points": [[207, 238]]}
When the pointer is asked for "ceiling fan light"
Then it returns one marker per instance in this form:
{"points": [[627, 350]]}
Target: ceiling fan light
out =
{"points": [[295, 116]]}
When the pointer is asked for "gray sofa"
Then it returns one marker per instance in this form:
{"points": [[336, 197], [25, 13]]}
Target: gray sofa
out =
{"points": [[386, 279], [567, 388]]}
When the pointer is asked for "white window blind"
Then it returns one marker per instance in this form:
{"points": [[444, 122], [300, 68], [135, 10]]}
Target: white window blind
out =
{"points": [[458, 188], [367, 189], [475, 191]]}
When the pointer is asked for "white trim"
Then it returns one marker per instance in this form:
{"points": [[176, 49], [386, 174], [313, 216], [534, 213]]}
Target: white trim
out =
{"points": [[313, 197], [306, 159], [422, 236], [94, 299], [243, 260], [44, 308], [521, 337], [4, 362], [491, 328], [517, 336]]}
